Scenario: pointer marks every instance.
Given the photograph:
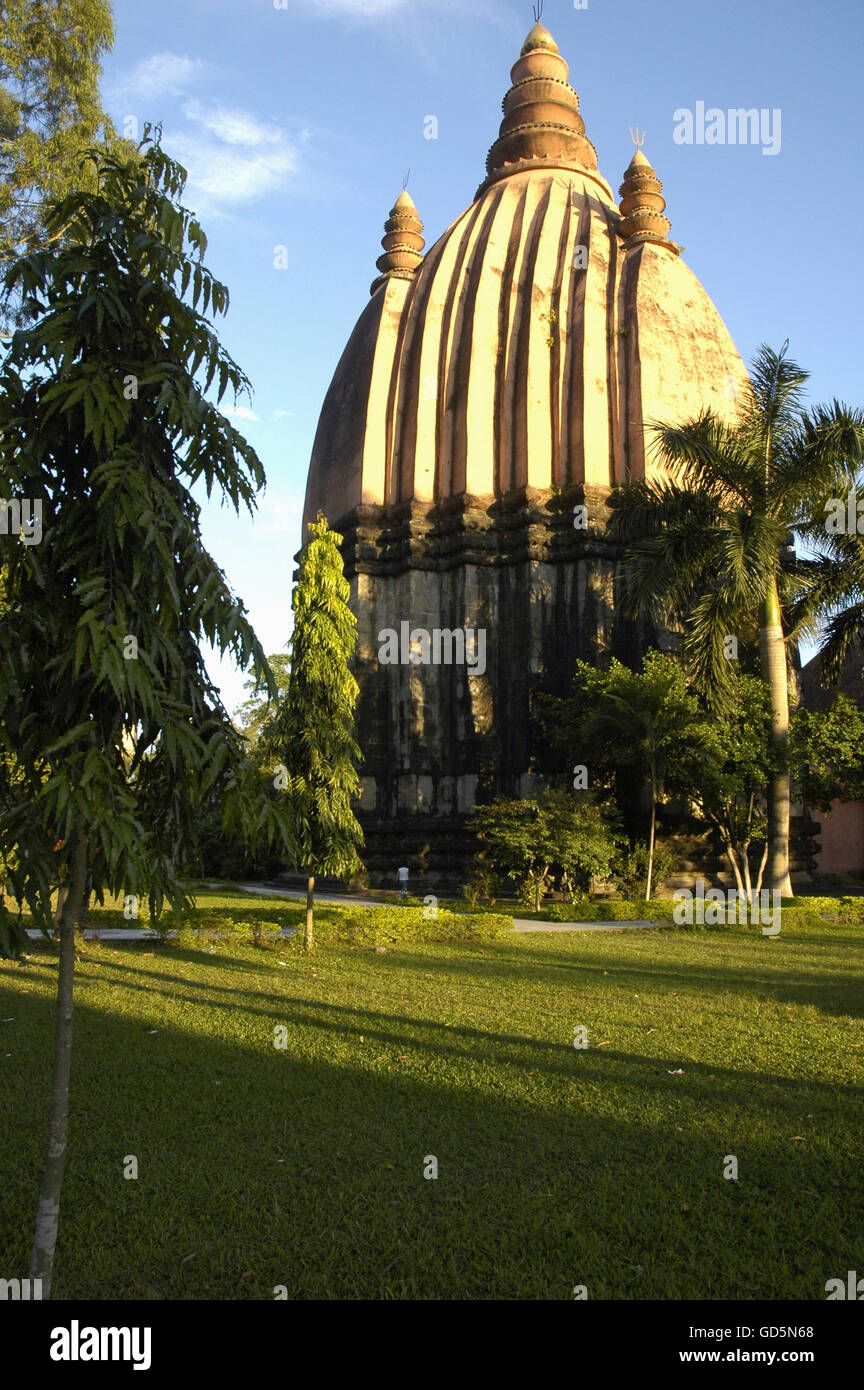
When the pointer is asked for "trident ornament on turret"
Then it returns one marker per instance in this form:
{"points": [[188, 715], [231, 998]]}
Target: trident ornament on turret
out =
{"points": [[638, 140]]}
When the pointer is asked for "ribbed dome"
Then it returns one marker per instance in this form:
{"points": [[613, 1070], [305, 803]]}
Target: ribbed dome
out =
{"points": [[527, 349]]}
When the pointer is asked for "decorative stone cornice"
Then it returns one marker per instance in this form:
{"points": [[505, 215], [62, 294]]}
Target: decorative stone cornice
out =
{"points": [[534, 524]]}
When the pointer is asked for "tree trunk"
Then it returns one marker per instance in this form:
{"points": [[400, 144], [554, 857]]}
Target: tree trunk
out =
{"points": [[310, 909], [745, 856], [773, 654], [651, 834], [539, 881], [759, 877], [730, 855], [48, 1214]]}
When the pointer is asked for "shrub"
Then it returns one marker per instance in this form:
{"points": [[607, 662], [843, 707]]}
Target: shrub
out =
{"points": [[657, 910], [483, 883], [388, 926]]}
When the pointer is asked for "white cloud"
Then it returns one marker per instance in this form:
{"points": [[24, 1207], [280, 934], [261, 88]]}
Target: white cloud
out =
{"points": [[279, 513], [232, 157], [163, 74], [283, 414], [238, 412], [233, 126], [219, 175]]}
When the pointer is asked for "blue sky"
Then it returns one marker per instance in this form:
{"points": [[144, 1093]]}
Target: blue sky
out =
{"points": [[298, 124]]}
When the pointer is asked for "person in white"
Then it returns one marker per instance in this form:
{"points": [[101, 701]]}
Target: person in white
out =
{"points": [[403, 881]]}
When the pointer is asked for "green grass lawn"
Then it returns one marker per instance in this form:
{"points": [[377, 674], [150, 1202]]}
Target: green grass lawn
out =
{"points": [[304, 1167]]}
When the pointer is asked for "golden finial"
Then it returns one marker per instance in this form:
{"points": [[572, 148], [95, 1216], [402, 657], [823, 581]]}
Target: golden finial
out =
{"points": [[638, 140]]}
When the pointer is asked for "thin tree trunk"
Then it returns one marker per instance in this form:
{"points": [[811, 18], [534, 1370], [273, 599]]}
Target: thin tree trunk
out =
{"points": [[730, 854], [48, 1214], [651, 834], [310, 909], [773, 654], [762, 868], [539, 881]]}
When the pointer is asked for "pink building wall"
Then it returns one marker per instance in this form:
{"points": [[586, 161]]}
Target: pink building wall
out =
{"points": [[841, 836]]}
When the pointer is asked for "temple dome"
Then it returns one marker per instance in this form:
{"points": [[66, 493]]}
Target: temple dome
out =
{"points": [[531, 344]]}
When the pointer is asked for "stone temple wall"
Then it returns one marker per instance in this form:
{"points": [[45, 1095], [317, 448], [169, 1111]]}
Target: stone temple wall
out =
{"points": [[437, 738]]}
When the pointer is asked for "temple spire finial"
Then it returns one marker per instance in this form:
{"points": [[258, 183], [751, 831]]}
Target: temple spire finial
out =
{"points": [[642, 202], [542, 124], [403, 240]]}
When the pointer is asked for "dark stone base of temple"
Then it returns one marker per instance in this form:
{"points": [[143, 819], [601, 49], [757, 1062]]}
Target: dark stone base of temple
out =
{"points": [[534, 577], [439, 853], [438, 739]]}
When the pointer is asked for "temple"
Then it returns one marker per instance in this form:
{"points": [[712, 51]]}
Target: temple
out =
{"points": [[496, 386]]}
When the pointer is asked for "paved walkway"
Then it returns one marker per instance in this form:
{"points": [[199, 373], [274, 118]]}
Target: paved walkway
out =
{"points": [[107, 933], [525, 925], [520, 924], [142, 933]]}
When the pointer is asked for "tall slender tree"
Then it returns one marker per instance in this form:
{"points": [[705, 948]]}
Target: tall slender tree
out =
{"points": [[709, 544], [117, 732], [311, 736]]}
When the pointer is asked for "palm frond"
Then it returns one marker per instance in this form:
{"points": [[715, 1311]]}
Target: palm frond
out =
{"points": [[707, 454]]}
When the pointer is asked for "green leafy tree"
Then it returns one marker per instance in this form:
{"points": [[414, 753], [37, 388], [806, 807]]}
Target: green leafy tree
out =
{"points": [[118, 734], [709, 542], [830, 604], [726, 772], [828, 748], [525, 840], [50, 109], [640, 721], [257, 713], [630, 870], [311, 735]]}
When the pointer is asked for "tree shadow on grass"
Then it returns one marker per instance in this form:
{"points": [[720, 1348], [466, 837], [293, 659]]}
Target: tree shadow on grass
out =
{"points": [[304, 1168], [546, 967], [459, 1043]]}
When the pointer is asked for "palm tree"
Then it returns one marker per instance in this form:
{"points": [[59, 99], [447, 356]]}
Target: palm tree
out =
{"points": [[831, 601], [710, 541]]}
